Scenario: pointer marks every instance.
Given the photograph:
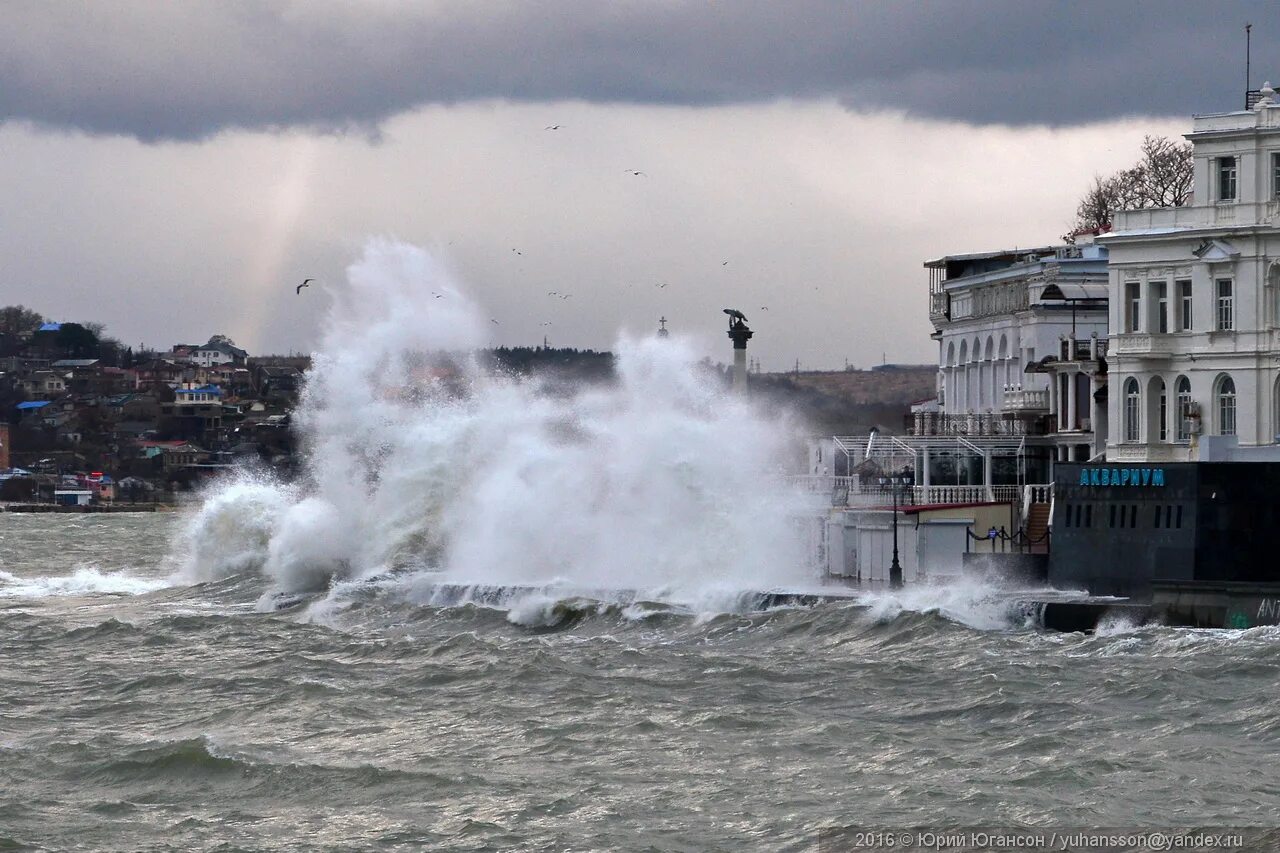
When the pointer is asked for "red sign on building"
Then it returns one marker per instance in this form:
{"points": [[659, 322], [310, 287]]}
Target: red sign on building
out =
{"points": [[4, 447]]}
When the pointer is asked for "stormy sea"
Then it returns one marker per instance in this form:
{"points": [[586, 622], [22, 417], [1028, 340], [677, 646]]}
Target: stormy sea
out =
{"points": [[495, 614]]}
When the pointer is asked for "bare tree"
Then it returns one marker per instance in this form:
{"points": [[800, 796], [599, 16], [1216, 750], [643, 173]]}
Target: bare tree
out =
{"points": [[1162, 178], [16, 318]]}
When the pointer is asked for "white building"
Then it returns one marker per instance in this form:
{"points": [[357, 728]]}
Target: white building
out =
{"points": [[1195, 307], [1021, 346]]}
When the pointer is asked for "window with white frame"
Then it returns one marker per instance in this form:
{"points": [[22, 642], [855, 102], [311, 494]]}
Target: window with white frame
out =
{"points": [[1160, 292], [1162, 410], [1184, 298], [1132, 400], [1226, 179], [1133, 305], [1226, 406], [1182, 388], [1226, 314]]}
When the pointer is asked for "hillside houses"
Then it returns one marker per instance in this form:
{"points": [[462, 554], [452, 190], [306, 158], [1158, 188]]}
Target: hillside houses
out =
{"points": [[162, 420]]}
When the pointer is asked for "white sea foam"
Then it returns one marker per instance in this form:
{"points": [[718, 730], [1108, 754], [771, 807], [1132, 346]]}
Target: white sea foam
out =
{"points": [[86, 580], [966, 601], [417, 458]]}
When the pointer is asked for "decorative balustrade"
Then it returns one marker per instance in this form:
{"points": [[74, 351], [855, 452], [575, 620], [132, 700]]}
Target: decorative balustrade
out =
{"points": [[990, 423], [1082, 350], [853, 491], [1019, 400], [1141, 343]]}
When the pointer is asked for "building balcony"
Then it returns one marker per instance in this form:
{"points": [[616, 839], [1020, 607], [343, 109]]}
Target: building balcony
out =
{"points": [[1081, 349], [1011, 423], [1142, 345], [1029, 402], [1196, 216]]}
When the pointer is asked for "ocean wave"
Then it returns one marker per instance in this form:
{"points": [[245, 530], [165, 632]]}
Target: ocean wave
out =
{"points": [[87, 580]]}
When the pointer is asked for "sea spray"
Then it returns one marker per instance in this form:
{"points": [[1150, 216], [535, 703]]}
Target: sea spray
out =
{"points": [[415, 458], [231, 531]]}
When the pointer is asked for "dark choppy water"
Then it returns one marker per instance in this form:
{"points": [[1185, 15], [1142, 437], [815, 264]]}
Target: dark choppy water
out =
{"points": [[135, 715]]}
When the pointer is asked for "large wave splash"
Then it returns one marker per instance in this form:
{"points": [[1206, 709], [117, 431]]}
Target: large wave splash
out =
{"points": [[418, 458]]}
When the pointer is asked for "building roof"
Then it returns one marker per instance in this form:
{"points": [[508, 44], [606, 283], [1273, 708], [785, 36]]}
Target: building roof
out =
{"points": [[75, 362], [33, 404], [1010, 254], [49, 327], [223, 346], [1074, 291]]}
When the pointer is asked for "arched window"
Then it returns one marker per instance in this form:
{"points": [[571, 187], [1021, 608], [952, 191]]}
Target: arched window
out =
{"points": [[1132, 401], [1226, 406], [1158, 410], [951, 354], [1182, 392]]}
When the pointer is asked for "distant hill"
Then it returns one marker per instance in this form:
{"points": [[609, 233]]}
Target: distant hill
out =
{"points": [[845, 402], [834, 402]]}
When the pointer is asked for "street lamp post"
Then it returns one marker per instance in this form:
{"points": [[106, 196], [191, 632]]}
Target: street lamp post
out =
{"points": [[895, 568]]}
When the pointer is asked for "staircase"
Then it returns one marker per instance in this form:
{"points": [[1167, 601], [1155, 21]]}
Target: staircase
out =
{"points": [[1037, 526]]}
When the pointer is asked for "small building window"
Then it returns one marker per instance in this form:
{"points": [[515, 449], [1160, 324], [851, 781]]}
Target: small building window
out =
{"points": [[1088, 515], [1132, 401], [1182, 388], [1184, 297], [1226, 179], [1226, 316], [1162, 411], [1160, 290], [1133, 304], [1275, 175], [1227, 406]]}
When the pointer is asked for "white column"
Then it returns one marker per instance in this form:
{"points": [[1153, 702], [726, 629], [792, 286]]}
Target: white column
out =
{"points": [[1071, 399], [923, 479]]}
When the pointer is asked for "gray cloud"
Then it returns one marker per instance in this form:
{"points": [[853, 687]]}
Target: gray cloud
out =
{"points": [[184, 70]]}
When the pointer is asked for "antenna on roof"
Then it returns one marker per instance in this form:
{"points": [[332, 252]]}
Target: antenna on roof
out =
{"points": [[1248, 32]]}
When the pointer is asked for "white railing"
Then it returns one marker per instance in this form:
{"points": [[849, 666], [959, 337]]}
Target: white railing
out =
{"points": [[964, 494], [1026, 401], [1193, 216], [819, 484], [1141, 343], [852, 491], [1035, 493]]}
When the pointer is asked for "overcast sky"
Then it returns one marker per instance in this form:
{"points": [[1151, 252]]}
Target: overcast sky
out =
{"points": [[173, 169]]}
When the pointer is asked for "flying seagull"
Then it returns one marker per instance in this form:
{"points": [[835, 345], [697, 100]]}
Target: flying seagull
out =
{"points": [[305, 283], [637, 173], [735, 314], [553, 127], [493, 321], [663, 284]]}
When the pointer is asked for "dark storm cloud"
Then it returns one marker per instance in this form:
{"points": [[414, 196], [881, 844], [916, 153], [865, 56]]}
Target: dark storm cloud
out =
{"points": [[190, 69]]}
